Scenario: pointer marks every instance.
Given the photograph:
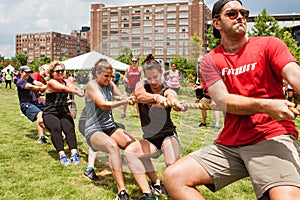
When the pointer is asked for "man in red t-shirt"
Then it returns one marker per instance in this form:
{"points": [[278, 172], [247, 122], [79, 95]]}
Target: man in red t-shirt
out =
{"points": [[40, 76], [244, 77]]}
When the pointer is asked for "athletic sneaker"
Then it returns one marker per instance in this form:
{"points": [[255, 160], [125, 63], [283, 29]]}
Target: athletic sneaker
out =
{"points": [[90, 173], [148, 196], [158, 189], [202, 124], [64, 160], [155, 188], [75, 159], [123, 195], [42, 140]]}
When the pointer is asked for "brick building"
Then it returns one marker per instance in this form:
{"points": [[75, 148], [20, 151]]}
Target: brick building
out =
{"points": [[161, 29], [51, 44]]}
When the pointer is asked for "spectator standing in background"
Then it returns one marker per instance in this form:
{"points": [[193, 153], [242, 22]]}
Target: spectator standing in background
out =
{"points": [[172, 76]]}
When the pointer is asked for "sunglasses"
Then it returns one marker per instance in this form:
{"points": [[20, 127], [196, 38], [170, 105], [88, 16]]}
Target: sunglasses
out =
{"points": [[28, 72], [233, 14], [59, 71], [134, 61]]}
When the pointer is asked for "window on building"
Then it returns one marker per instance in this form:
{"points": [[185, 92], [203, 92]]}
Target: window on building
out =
{"points": [[147, 37], [171, 36], [104, 26], [159, 23], [104, 19], [125, 44], [147, 17], [114, 38], [136, 10], [113, 25], [114, 19], [171, 8], [125, 11], [147, 51], [183, 7], [125, 25], [171, 30], [136, 31], [104, 13], [147, 10], [147, 44], [114, 32], [114, 45], [159, 9], [171, 43], [147, 23], [135, 37], [136, 24], [171, 51], [104, 39], [104, 33], [113, 12], [159, 30], [136, 17], [147, 30], [159, 43], [136, 44], [183, 22], [125, 31], [114, 52], [104, 46], [124, 38], [136, 51], [125, 18], [171, 16], [159, 37], [159, 16], [183, 15], [159, 51], [171, 22]]}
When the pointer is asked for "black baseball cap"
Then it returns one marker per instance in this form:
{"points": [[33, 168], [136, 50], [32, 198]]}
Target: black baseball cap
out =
{"points": [[216, 10]]}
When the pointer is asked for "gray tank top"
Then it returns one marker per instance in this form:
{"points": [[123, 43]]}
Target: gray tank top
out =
{"points": [[98, 119]]}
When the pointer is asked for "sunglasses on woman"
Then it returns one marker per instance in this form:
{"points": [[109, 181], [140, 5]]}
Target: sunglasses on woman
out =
{"points": [[233, 14], [59, 71]]}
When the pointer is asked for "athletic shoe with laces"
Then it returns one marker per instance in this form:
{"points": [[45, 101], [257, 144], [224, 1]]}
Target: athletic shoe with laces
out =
{"points": [[148, 196], [90, 173], [42, 140], [75, 159], [158, 189], [155, 188], [123, 195], [64, 160]]}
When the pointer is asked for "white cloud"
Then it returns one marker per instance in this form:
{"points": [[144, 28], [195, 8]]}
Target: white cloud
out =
{"points": [[25, 16]]}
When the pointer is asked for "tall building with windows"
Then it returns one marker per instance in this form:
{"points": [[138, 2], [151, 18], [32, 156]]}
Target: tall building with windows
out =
{"points": [[161, 29], [51, 44]]}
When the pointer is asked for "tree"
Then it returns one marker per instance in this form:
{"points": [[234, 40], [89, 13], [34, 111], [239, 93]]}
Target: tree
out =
{"points": [[285, 35], [265, 25], [19, 60], [212, 42], [196, 44], [125, 55]]}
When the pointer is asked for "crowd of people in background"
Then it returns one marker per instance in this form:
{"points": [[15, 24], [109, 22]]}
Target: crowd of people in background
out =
{"points": [[256, 114]]}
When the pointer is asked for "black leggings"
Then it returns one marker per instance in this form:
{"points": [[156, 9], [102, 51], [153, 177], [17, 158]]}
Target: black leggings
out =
{"points": [[56, 124]]}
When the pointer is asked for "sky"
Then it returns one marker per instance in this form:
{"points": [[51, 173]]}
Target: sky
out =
{"points": [[63, 16]]}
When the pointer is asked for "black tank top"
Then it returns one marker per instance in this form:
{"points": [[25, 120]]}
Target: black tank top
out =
{"points": [[155, 119], [56, 103]]}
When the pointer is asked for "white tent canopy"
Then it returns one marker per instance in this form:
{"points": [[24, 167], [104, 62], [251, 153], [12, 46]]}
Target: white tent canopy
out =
{"points": [[11, 68], [88, 60]]}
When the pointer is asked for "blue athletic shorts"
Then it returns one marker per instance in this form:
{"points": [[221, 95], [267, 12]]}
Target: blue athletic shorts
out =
{"points": [[30, 111]]}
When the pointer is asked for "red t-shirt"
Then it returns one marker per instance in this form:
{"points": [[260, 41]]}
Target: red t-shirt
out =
{"points": [[254, 71], [133, 76], [36, 76]]}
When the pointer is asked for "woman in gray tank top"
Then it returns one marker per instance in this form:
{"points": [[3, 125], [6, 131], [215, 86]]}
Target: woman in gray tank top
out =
{"points": [[101, 131]]}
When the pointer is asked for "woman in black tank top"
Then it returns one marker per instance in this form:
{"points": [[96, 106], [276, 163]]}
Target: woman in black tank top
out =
{"points": [[56, 114]]}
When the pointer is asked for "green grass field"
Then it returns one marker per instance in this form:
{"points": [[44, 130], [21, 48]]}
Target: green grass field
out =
{"points": [[32, 171]]}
